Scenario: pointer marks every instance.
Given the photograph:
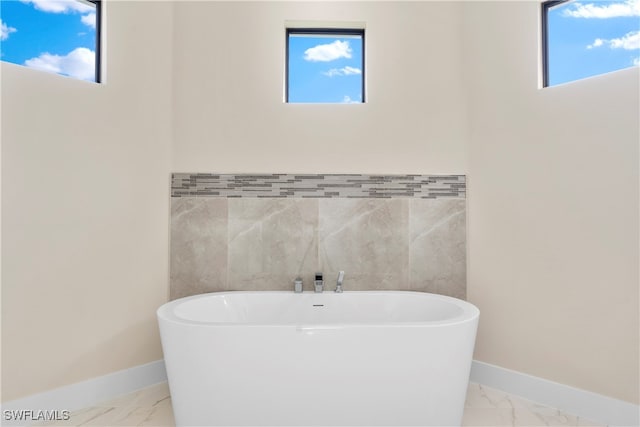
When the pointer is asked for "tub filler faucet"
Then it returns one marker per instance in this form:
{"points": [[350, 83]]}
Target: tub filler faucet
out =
{"points": [[339, 282]]}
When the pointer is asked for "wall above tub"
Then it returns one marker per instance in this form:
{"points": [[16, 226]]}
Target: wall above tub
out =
{"points": [[260, 231]]}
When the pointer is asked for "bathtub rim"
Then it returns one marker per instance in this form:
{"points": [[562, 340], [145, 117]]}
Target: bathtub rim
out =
{"points": [[470, 313]]}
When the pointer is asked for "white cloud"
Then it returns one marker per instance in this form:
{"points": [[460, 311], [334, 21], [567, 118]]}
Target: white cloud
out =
{"points": [[636, 61], [345, 71], [6, 30], [79, 63], [351, 70], [332, 72], [630, 41], [609, 10], [89, 20], [596, 43], [60, 6], [328, 52], [347, 100]]}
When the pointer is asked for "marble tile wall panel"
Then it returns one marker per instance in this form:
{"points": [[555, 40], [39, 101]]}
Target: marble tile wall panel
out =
{"points": [[264, 243], [270, 242], [437, 246], [368, 239], [198, 252]]}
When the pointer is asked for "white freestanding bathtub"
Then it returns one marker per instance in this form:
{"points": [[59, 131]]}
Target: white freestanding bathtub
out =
{"points": [[381, 358]]}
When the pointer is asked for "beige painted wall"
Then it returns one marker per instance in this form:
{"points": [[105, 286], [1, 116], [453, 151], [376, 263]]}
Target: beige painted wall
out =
{"points": [[553, 210], [228, 82], [85, 175]]}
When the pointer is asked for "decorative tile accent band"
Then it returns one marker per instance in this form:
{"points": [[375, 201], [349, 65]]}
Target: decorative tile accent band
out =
{"points": [[318, 186]]}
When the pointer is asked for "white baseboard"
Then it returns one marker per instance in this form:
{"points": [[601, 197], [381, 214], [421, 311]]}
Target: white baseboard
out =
{"points": [[88, 393], [592, 406]]}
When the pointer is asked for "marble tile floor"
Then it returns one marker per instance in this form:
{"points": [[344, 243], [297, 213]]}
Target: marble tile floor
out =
{"points": [[484, 407]]}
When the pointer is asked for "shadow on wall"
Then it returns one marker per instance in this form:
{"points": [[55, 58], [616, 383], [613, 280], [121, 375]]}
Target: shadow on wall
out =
{"points": [[221, 244]]}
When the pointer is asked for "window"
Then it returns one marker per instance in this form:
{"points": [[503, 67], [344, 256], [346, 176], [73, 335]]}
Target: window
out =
{"points": [[324, 66], [584, 39], [61, 36]]}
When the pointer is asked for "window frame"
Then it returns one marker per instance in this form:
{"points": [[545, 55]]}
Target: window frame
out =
{"points": [[98, 64], [545, 7], [322, 31]]}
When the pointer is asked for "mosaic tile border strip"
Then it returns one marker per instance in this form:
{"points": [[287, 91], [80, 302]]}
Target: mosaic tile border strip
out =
{"points": [[317, 186]]}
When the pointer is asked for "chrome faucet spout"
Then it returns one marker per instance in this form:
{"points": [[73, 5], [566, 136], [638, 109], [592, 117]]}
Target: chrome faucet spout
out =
{"points": [[339, 283]]}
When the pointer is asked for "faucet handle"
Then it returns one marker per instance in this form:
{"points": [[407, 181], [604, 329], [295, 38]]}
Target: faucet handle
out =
{"points": [[318, 284]]}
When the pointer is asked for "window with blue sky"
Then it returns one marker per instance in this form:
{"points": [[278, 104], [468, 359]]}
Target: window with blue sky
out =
{"points": [[325, 66], [587, 38], [58, 36]]}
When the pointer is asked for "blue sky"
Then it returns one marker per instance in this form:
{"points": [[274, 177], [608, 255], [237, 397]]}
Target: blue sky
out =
{"points": [[587, 38], [325, 69], [52, 35]]}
